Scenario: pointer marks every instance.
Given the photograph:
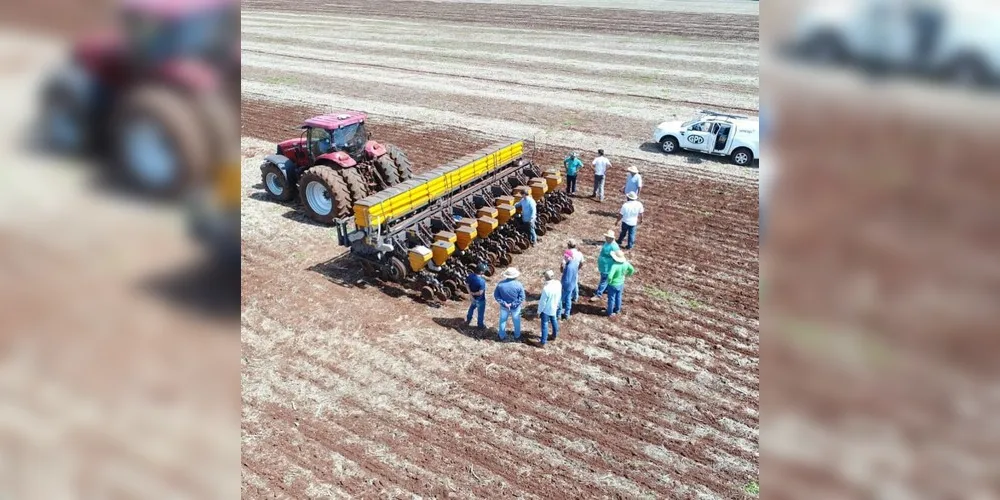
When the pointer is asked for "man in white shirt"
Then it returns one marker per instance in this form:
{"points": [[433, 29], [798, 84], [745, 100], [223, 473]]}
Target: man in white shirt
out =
{"points": [[601, 165], [631, 217], [548, 306]]}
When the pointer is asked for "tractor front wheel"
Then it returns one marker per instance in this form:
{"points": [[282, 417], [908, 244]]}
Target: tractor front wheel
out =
{"points": [[275, 183], [324, 195]]}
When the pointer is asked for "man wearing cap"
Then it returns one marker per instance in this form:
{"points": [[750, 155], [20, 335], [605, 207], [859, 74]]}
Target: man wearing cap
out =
{"points": [[616, 281], [633, 184], [528, 214], [601, 165], [630, 216], [604, 262], [572, 258], [548, 306], [573, 166], [475, 283], [509, 294]]}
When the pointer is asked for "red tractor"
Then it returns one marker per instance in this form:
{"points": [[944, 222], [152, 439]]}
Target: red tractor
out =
{"points": [[151, 98], [332, 165]]}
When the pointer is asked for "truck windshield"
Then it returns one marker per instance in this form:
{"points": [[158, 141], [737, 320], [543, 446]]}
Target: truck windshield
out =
{"points": [[689, 123]]}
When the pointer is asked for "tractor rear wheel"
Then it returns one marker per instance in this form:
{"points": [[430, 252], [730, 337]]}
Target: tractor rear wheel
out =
{"points": [[158, 140], [324, 195], [355, 184], [403, 165], [387, 170]]}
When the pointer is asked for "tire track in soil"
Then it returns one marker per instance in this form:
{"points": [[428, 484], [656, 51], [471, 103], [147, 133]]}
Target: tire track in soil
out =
{"points": [[388, 369], [310, 459], [731, 406], [709, 26], [644, 396], [445, 443], [415, 388], [379, 474], [555, 445], [613, 438]]}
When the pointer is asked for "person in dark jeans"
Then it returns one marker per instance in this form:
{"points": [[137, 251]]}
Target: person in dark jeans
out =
{"points": [[927, 21], [630, 217], [573, 166], [475, 283]]}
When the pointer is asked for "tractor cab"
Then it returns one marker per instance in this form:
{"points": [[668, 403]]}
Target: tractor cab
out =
{"points": [[157, 32], [339, 132]]}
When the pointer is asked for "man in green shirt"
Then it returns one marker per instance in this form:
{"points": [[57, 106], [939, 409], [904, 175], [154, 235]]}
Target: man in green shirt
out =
{"points": [[604, 263], [573, 166], [620, 270]]}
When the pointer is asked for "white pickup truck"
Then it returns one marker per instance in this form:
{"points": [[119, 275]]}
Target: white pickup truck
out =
{"points": [[952, 40], [714, 133]]}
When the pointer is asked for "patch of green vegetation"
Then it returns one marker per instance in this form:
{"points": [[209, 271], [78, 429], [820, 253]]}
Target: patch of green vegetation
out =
{"points": [[283, 79], [752, 488], [673, 298], [568, 123]]}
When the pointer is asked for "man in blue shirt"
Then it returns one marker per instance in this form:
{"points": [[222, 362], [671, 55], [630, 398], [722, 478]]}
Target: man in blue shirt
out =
{"points": [[548, 307], [528, 209], [573, 166], [476, 284], [509, 294], [633, 184], [572, 259]]}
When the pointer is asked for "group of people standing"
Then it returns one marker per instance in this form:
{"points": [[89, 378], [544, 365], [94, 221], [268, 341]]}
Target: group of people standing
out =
{"points": [[557, 296]]}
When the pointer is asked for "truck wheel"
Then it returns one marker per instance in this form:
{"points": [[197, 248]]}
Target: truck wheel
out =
{"points": [[825, 48], [387, 170], [158, 141], [356, 185], [742, 157], [967, 71], [324, 195], [275, 183], [668, 145], [403, 165]]}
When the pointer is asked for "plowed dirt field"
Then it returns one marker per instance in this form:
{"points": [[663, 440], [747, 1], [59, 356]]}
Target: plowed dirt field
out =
{"points": [[352, 390]]}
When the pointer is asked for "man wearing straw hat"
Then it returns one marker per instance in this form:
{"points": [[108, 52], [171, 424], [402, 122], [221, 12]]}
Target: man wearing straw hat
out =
{"points": [[633, 184], [630, 216], [616, 281], [604, 262], [509, 294], [548, 306]]}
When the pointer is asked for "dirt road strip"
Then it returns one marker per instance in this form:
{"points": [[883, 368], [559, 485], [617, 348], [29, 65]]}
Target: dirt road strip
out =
{"points": [[694, 25]]}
